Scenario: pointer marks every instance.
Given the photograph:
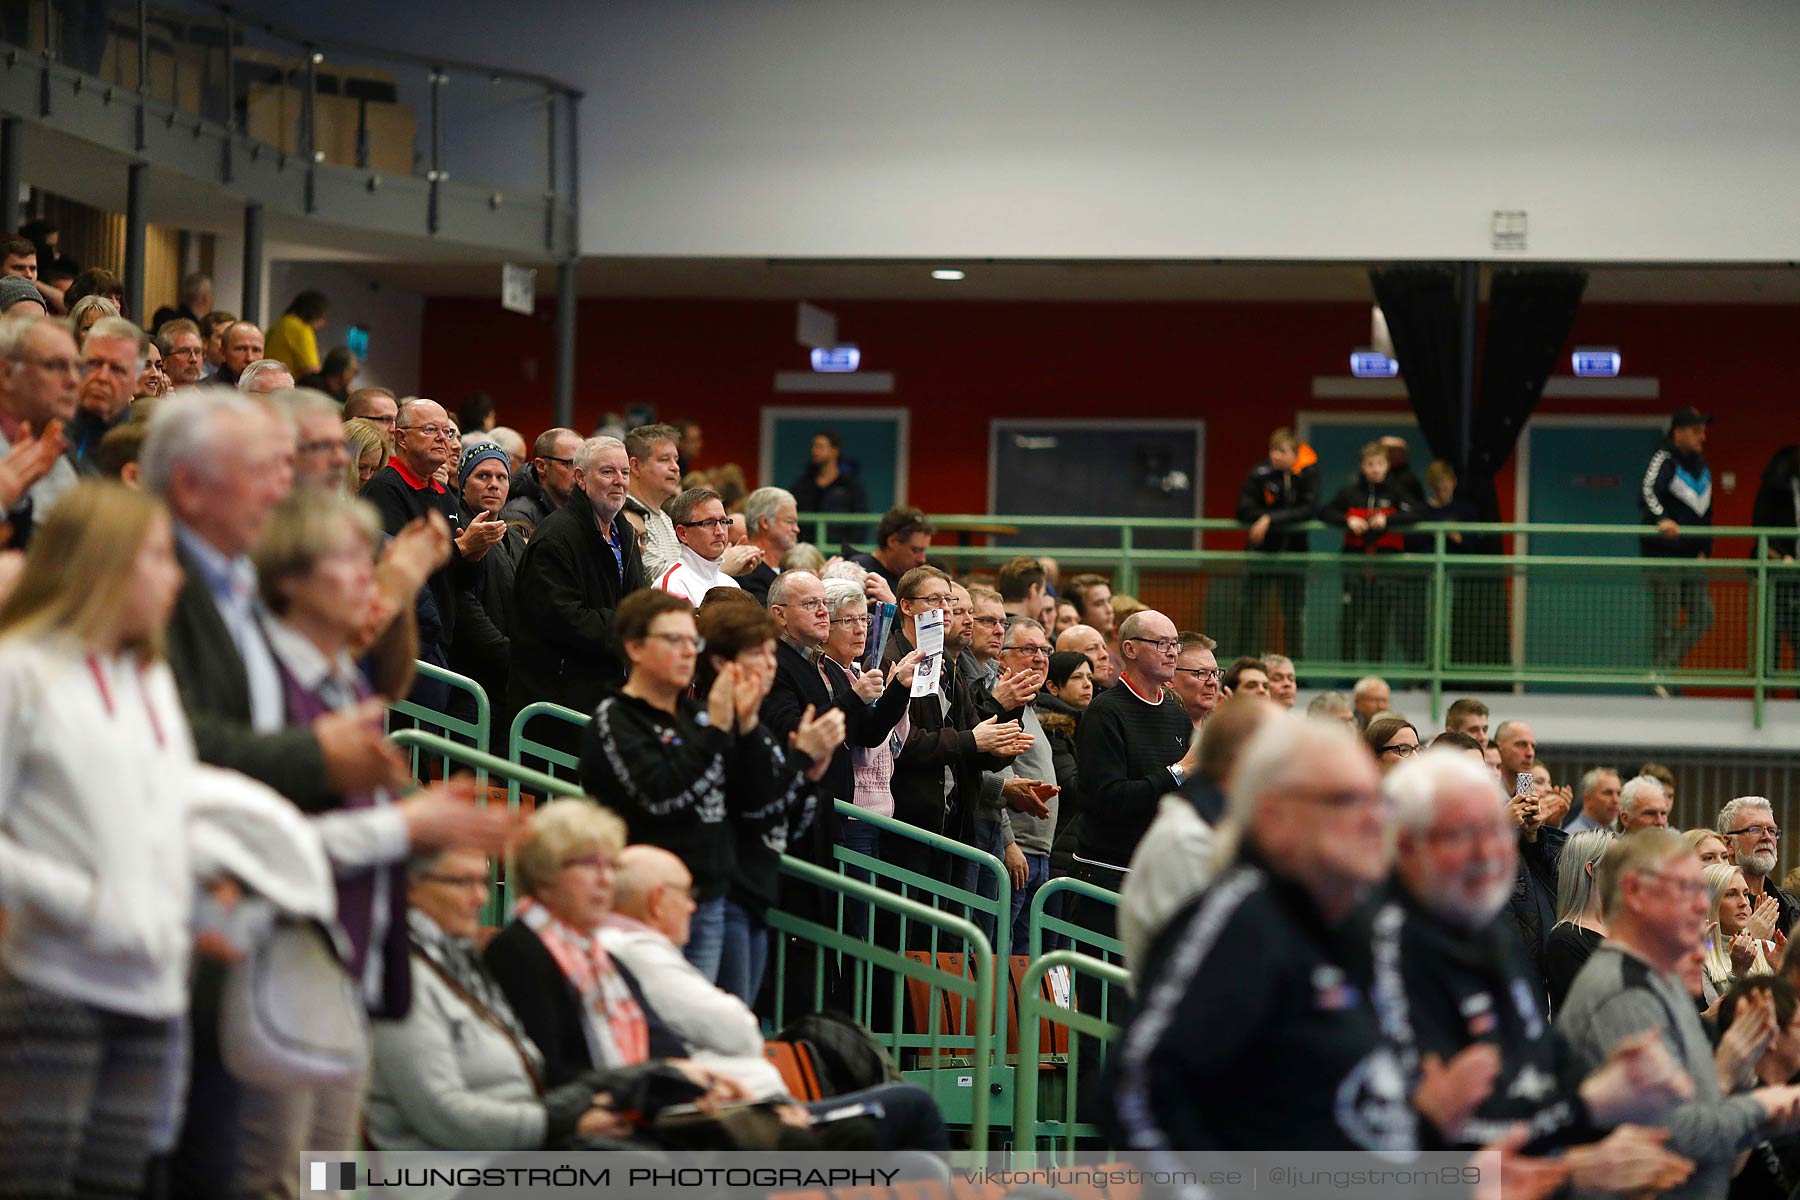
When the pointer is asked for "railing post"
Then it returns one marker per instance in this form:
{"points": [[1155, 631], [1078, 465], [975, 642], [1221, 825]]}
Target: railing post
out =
{"points": [[11, 155], [1437, 650], [309, 125], [436, 176], [1762, 645], [136, 236], [143, 64], [1127, 580]]}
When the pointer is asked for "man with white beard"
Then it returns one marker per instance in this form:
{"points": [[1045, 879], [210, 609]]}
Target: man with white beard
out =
{"points": [[1448, 973], [1748, 823]]}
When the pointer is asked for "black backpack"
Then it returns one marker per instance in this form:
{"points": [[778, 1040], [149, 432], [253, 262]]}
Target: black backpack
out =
{"points": [[846, 1056]]}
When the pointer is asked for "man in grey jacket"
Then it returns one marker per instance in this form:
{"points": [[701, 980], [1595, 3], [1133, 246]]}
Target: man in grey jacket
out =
{"points": [[1021, 800], [1656, 903]]}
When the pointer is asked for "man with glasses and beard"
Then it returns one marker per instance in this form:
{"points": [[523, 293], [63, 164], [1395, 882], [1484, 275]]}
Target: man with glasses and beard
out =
{"points": [[1748, 822], [1448, 973]]}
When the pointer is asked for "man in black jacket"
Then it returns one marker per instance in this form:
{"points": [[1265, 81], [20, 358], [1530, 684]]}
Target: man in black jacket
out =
{"points": [[406, 490], [1277, 496], [872, 704], [1256, 1030], [1448, 974], [955, 735], [831, 484], [544, 486], [1677, 495], [577, 567]]}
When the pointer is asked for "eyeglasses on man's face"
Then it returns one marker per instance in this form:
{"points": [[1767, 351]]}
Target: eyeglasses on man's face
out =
{"points": [[935, 600], [1213, 673], [1756, 831], [816, 604], [429, 432], [1165, 645], [709, 523]]}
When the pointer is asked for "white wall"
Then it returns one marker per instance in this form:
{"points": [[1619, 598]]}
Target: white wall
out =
{"points": [[393, 318], [1627, 129]]}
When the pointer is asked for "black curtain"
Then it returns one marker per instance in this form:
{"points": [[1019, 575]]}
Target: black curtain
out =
{"points": [[1424, 319], [1531, 312]]}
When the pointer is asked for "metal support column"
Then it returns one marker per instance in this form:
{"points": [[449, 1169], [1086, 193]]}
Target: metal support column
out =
{"points": [[11, 149], [564, 400], [136, 225], [251, 308], [1469, 289]]}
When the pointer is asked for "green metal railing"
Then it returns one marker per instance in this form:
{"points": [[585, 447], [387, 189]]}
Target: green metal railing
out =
{"points": [[499, 906], [518, 746], [443, 723], [945, 897], [1033, 1008], [961, 1082], [1564, 607]]}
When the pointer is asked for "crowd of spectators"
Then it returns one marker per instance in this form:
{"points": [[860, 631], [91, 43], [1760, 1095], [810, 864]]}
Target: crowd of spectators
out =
{"points": [[225, 576]]}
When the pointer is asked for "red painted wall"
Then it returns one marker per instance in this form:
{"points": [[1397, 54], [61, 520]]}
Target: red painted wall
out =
{"points": [[1244, 368]]}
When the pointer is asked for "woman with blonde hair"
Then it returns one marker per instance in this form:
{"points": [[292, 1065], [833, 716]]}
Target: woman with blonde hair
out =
{"points": [[370, 450], [1580, 927], [1731, 953], [88, 312], [1709, 844], [97, 773]]}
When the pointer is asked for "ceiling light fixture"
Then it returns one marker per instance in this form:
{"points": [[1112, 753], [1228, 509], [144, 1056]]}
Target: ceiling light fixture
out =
{"points": [[948, 274]]}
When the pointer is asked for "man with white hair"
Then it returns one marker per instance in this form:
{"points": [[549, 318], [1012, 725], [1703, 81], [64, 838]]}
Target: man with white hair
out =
{"points": [[1643, 804], [581, 561], [1448, 974], [1284, 681], [1748, 823], [263, 376], [1371, 695], [772, 521], [112, 358], [1257, 971], [1656, 904], [511, 441]]}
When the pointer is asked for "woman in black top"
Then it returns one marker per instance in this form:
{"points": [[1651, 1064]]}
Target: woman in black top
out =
{"points": [[1579, 928], [771, 797]]}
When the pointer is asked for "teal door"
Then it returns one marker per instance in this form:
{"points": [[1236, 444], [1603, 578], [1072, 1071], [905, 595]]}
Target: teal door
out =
{"points": [[1587, 617], [872, 445]]}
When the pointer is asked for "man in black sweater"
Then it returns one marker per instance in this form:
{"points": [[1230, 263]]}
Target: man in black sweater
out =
{"points": [[405, 490], [577, 567], [1135, 744]]}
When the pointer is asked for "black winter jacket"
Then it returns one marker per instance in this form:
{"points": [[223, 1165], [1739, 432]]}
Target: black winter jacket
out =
{"points": [[940, 739], [564, 598], [1362, 498], [1455, 988], [482, 646], [1286, 498]]}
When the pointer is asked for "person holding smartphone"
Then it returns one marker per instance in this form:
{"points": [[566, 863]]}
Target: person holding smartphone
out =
{"points": [[1533, 901]]}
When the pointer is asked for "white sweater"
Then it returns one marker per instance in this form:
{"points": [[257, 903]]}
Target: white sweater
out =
{"points": [[691, 577], [96, 766]]}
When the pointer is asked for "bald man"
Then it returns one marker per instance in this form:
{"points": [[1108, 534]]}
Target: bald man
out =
{"points": [[1085, 639], [652, 906]]}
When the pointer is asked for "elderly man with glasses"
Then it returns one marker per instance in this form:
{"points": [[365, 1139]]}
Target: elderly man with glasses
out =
{"points": [[1136, 743], [405, 490], [1748, 822]]}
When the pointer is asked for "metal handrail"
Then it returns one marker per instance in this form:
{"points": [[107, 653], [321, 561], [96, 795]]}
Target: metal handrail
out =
{"points": [[1040, 920], [1034, 1008], [1226, 524], [978, 987], [477, 730], [499, 906], [518, 745]]}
